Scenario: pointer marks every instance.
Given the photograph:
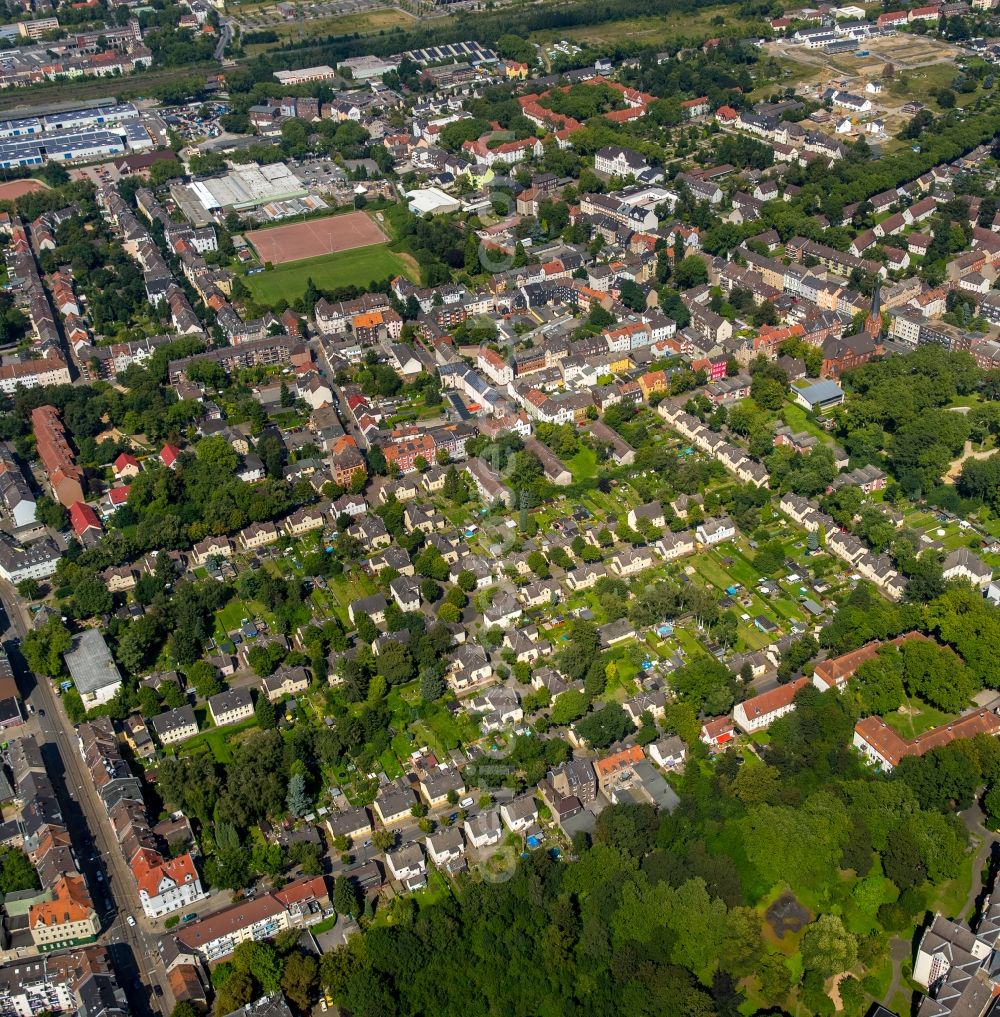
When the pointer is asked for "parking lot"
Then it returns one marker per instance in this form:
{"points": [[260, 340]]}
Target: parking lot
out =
{"points": [[196, 120], [318, 175]]}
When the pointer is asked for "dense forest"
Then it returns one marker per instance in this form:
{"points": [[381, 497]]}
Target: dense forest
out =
{"points": [[669, 914]]}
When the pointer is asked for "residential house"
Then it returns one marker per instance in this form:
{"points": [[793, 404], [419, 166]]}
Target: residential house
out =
{"points": [[288, 681], [484, 830], [669, 752], [965, 564], [394, 802], [519, 814], [446, 849], [165, 885], [715, 531], [437, 784], [613, 769], [175, 725], [759, 712], [231, 707], [407, 865]]}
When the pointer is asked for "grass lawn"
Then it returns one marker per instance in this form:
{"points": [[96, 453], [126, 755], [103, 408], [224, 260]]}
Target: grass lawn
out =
{"points": [[216, 739], [647, 30], [346, 588], [622, 685], [401, 745], [324, 926], [882, 976], [362, 23], [799, 420], [390, 764], [740, 568], [583, 465], [234, 612], [689, 643], [950, 897], [444, 731], [923, 718], [920, 82], [709, 569], [753, 638], [282, 284]]}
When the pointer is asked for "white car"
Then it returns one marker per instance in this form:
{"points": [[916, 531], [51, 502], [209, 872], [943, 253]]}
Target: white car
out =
{"points": [[131, 920]]}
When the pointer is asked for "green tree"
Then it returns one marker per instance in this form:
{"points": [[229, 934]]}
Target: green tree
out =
{"points": [[808, 860], [345, 897], [236, 992], [878, 683], [432, 686], [690, 271], [44, 648], [604, 727], [828, 948], [300, 978], [16, 872], [299, 802], [261, 960], [204, 679], [265, 714], [569, 706], [91, 597]]}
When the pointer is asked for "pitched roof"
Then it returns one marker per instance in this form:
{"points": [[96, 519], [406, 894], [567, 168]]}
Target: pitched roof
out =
{"points": [[83, 518], [614, 762], [774, 699], [151, 869]]}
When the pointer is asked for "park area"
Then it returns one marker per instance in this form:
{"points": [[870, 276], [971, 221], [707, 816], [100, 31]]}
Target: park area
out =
{"points": [[314, 238]]}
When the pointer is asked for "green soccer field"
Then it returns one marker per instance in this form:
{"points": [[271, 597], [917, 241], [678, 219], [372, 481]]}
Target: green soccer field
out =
{"points": [[280, 285]]}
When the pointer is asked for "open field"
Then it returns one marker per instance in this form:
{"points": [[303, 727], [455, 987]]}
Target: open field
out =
{"points": [[297, 241], [359, 267], [922, 65], [92, 88], [645, 30], [361, 23]]}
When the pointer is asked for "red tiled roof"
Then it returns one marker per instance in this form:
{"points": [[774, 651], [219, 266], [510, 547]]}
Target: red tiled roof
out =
{"points": [[837, 669], [150, 869], [775, 699], [609, 764], [892, 747], [83, 518]]}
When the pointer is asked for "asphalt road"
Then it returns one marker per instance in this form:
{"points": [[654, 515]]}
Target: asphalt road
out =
{"points": [[224, 36], [133, 949]]}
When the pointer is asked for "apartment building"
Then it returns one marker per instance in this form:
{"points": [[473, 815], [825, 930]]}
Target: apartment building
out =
{"points": [[298, 905]]}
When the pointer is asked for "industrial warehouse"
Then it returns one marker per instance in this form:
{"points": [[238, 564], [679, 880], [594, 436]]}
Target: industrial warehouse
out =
{"points": [[72, 136]]}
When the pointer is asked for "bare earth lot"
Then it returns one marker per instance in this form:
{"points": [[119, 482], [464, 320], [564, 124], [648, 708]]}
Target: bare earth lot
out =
{"points": [[281, 244]]}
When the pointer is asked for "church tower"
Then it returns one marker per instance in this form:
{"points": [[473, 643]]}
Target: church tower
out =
{"points": [[873, 323]]}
